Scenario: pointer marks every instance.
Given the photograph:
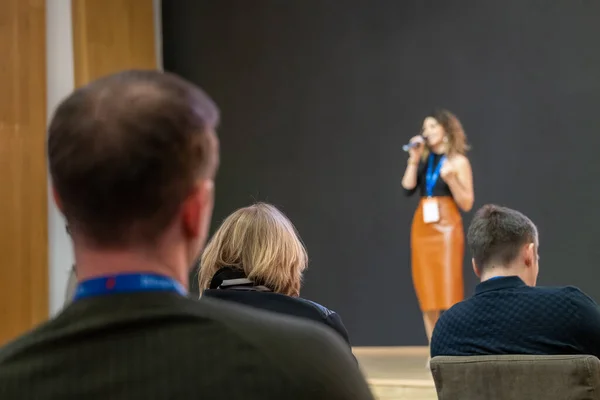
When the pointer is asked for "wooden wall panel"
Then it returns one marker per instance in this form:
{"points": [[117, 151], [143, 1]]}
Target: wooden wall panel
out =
{"points": [[112, 35], [23, 179]]}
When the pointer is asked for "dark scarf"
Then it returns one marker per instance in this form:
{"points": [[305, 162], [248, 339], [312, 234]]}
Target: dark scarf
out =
{"points": [[234, 279]]}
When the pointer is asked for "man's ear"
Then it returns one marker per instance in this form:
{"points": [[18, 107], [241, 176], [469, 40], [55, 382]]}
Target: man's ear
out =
{"points": [[475, 269], [195, 206], [529, 254], [57, 200]]}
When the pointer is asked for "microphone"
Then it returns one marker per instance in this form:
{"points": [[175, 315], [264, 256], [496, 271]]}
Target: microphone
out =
{"points": [[409, 146]]}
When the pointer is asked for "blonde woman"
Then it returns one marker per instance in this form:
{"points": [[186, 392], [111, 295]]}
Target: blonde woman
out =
{"points": [[256, 258], [439, 168]]}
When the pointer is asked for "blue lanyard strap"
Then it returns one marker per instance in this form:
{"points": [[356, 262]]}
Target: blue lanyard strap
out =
{"points": [[432, 175], [128, 283]]}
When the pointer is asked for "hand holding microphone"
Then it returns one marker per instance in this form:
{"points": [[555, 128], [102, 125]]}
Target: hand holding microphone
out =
{"points": [[415, 147]]}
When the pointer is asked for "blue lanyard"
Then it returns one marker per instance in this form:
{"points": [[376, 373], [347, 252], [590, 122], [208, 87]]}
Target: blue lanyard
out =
{"points": [[127, 283], [432, 175]]}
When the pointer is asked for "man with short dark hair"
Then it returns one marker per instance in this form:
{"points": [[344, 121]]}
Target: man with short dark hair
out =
{"points": [[508, 314], [132, 158]]}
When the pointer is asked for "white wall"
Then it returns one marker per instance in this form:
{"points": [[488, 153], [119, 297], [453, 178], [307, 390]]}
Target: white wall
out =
{"points": [[60, 81]]}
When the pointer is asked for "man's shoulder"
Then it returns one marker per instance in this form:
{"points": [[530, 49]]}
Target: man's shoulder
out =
{"points": [[456, 314], [540, 300], [557, 290], [271, 337], [560, 293], [25, 341], [496, 300], [283, 348], [261, 330], [546, 291], [528, 296], [576, 296], [460, 307], [300, 349]]}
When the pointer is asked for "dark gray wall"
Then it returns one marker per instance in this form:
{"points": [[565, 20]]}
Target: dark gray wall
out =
{"points": [[318, 96]]}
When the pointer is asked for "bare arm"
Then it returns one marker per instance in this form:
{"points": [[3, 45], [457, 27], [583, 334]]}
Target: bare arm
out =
{"points": [[459, 177], [409, 180]]}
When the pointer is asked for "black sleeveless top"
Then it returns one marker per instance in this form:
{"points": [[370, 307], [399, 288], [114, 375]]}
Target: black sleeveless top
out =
{"points": [[440, 188]]}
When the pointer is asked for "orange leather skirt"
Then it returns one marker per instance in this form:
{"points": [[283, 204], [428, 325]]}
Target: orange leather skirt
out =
{"points": [[437, 251]]}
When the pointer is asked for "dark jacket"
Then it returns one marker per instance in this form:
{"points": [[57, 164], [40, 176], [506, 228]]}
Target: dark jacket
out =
{"points": [[505, 316], [160, 345], [231, 285]]}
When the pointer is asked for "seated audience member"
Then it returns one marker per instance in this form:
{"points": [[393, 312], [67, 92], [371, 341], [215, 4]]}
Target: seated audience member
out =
{"points": [[256, 258], [508, 314], [132, 159]]}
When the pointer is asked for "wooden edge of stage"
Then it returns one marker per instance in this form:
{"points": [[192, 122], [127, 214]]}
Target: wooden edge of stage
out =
{"points": [[391, 351], [414, 383], [395, 367]]}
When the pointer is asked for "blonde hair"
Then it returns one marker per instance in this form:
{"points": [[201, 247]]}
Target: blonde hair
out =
{"points": [[261, 241], [457, 139]]}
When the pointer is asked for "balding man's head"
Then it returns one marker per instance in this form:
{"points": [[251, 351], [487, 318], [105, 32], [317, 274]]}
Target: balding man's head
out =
{"points": [[126, 151]]}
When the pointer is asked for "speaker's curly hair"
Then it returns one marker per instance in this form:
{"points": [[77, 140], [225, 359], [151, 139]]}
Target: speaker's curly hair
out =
{"points": [[457, 139]]}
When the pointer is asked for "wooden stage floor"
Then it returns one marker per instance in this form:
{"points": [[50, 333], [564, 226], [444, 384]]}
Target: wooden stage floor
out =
{"points": [[397, 373]]}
